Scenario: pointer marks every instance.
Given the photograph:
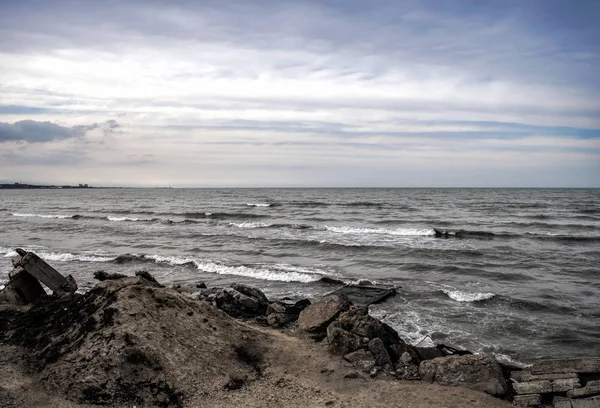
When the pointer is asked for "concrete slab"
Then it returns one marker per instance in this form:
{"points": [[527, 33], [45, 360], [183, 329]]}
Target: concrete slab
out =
{"points": [[365, 295]]}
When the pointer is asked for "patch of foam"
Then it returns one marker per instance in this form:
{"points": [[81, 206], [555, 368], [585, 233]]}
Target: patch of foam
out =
{"points": [[257, 273], [250, 224], [258, 204], [381, 231], [460, 296], [41, 215], [171, 260], [68, 257], [111, 218]]}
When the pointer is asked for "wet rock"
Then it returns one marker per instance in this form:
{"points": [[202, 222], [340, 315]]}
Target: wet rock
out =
{"points": [[340, 341], [315, 318], [357, 321], [479, 372], [146, 275], [252, 293], [102, 276]]}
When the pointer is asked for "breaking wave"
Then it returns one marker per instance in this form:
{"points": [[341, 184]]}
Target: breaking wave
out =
{"points": [[460, 296], [383, 231], [41, 215]]}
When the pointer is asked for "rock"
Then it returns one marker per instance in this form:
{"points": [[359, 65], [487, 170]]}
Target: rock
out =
{"points": [[526, 375], [23, 287], [406, 357], [102, 276], [527, 400], [382, 357], [533, 387], [365, 295], [479, 372], [591, 388], [562, 402], [361, 359], [276, 307], [278, 320], [298, 307], [357, 321], [397, 350], [316, 317], [146, 275], [253, 293], [578, 365], [352, 374], [340, 341], [407, 372]]}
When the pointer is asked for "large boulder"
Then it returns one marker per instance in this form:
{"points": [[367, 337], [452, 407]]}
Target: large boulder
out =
{"points": [[340, 341], [379, 352], [357, 321], [479, 372], [316, 317]]}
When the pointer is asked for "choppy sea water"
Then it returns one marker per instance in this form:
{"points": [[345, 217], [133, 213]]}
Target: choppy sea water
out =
{"points": [[531, 290]]}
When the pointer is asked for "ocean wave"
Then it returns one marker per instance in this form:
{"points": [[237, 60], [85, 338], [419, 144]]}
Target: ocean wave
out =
{"points": [[257, 272], [460, 296], [131, 219], [250, 225], [41, 215], [261, 204], [382, 231]]}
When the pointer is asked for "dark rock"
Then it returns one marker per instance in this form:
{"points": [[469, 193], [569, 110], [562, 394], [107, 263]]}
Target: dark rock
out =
{"points": [[278, 320], [276, 307], [477, 371], [407, 372], [146, 275], [316, 317], [357, 321], [361, 359], [365, 295], [252, 293], [102, 276], [398, 350], [201, 285], [428, 353], [298, 307], [340, 341], [382, 357]]}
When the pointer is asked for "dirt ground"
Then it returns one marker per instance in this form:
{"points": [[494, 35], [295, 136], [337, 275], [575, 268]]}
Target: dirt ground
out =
{"points": [[158, 348]]}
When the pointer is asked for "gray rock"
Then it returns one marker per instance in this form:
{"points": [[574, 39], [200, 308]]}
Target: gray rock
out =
{"points": [[567, 365], [357, 321], [253, 293], [361, 359], [527, 400], [479, 372], [278, 320], [382, 357], [316, 317], [340, 341]]}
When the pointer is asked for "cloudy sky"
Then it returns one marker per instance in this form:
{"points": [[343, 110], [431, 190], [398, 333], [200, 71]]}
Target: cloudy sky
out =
{"points": [[300, 93]]}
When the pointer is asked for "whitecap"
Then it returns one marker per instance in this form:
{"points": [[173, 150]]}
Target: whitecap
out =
{"points": [[467, 296], [111, 218], [250, 224], [41, 215], [258, 204], [257, 273], [383, 231]]}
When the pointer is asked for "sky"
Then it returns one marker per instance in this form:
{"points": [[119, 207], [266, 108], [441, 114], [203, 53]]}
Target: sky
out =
{"points": [[335, 93]]}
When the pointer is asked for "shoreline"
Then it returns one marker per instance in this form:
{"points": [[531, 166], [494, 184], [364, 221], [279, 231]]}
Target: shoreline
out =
{"points": [[140, 342]]}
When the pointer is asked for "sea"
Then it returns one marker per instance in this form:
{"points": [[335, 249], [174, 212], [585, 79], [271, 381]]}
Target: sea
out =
{"points": [[521, 281]]}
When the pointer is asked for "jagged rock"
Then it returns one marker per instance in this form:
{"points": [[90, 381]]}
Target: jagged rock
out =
{"points": [[340, 341], [298, 307], [361, 359], [398, 350], [146, 275], [357, 321], [276, 307], [407, 371], [382, 357], [477, 371], [316, 317], [253, 293], [277, 320], [102, 276]]}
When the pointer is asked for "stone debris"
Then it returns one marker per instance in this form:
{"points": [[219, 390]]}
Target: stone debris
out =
{"points": [[30, 272], [565, 382]]}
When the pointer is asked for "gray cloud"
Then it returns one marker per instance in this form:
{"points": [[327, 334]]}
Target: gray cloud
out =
{"points": [[39, 132]]}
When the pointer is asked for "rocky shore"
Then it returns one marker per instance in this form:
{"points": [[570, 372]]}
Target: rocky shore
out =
{"points": [[130, 341]]}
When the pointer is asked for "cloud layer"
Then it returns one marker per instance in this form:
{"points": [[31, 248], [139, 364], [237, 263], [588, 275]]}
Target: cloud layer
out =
{"points": [[304, 93]]}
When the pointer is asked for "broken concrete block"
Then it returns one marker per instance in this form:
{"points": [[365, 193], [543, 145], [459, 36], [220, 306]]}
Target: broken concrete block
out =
{"points": [[26, 286], [565, 384], [561, 402], [533, 387], [591, 388], [527, 400], [46, 274], [586, 403], [577, 365], [526, 375]]}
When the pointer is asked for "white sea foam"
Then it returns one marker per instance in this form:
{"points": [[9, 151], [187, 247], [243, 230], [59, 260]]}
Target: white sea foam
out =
{"points": [[171, 260], [467, 296], [111, 218], [382, 231], [41, 215], [258, 204], [67, 257], [250, 224], [257, 273]]}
